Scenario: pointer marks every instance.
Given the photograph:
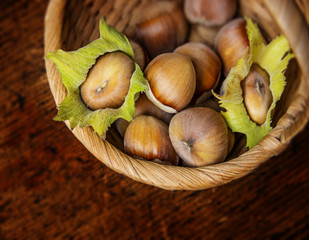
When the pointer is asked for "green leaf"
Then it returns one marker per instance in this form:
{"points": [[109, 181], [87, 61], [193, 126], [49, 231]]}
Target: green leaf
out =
{"points": [[74, 67], [273, 58]]}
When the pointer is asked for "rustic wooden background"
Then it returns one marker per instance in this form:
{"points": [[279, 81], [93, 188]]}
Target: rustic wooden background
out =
{"points": [[51, 187]]}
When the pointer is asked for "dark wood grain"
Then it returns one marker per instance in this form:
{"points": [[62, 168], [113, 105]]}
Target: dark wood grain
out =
{"points": [[51, 187]]}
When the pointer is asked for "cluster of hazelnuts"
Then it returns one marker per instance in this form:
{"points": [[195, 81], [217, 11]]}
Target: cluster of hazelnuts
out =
{"points": [[168, 125]]}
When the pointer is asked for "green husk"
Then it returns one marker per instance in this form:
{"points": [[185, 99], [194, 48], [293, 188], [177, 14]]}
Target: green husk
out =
{"points": [[273, 58], [74, 67]]}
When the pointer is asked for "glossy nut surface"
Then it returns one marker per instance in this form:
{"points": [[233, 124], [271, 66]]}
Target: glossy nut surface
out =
{"points": [[256, 94], [162, 27], [143, 106], [172, 81], [108, 81], [147, 137], [199, 136], [207, 65], [232, 42]]}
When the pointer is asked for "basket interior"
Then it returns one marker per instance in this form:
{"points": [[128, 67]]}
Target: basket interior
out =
{"points": [[80, 26]]}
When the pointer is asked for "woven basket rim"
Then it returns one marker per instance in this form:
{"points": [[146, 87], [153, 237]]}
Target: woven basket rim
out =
{"points": [[166, 176]]}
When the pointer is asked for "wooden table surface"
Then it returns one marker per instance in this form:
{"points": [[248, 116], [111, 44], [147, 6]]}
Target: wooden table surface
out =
{"points": [[51, 187]]}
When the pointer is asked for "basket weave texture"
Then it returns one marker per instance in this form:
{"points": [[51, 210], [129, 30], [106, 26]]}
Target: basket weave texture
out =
{"points": [[73, 24]]}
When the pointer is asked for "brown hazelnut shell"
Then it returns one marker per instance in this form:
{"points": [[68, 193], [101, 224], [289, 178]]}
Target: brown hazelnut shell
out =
{"points": [[143, 106], [140, 54], [147, 138], [172, 81], [232, 42], [161, 27], [210, 12], [108, 81], [207, 66], [199, 136]]}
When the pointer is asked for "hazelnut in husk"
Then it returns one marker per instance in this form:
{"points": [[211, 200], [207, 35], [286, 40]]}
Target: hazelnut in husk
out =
{"points": [[253, 87], [108, 81], [256, 94]]}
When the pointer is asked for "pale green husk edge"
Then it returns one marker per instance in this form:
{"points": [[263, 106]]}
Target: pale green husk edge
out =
{"points": [[273, 58], [74, 67]]}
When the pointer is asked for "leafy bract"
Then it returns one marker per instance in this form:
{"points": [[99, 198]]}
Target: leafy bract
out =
{"points": [[273, 58], [74, 67]]}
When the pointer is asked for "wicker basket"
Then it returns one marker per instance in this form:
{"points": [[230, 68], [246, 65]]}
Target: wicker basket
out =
{"points": [[72, 24]]}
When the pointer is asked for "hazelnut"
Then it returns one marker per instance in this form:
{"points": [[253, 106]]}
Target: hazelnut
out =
{"points": [[172, 81], [143, 106], [108, 81], [256, 93], [203, 34], [162, 27], [231, 136], [232, 42], [199, 136], [147, 137], [207, 66], [210, 12], [211, 102], [140, 54]]}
